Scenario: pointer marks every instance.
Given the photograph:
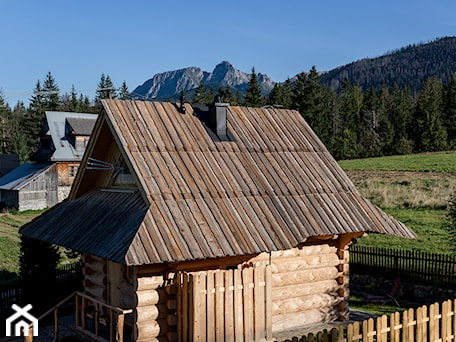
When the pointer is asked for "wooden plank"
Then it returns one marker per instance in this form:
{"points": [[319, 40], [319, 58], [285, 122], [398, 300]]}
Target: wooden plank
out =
{"points": [[229, 306], [268, 172], [248, 219], [259, 303], [212, 175], [268, 302], [221, 173], [190, 217], [210, 313], [206, 224], [273, 137], [178, 245], [198, 132], [179, 171], [219, 306], [210, 182], [191, 306], [180, 122], [184, 231], [237, 223], [242, 135], [149, 122], [185, 309], [238, 306], [247, 283], [203, 190], [199, 302], [156, 236], [179, 277], [167, 127]]}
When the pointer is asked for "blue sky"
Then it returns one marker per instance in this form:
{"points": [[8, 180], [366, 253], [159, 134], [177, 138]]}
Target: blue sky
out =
{"points": [[133, 40]]}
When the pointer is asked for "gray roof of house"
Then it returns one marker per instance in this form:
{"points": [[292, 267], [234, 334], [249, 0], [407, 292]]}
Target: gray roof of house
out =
{"points": [[22, 175], [64, 150]]}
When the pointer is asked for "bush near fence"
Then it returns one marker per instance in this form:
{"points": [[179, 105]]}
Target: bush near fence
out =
{"points": [[432, 268], [433, 323], [68, 280]]}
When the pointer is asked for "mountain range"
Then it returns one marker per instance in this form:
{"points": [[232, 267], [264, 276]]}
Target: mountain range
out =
{"points": [[169, 84], [409, 66]]}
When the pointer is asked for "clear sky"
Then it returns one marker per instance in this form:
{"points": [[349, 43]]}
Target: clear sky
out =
{"points": [[79, 40]]}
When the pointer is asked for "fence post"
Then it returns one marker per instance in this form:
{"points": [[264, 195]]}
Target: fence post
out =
{"points": [[120, 326]]}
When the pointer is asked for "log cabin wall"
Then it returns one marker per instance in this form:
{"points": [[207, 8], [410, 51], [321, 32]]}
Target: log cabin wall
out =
{"points": [[305, 286], [95, 277], [156, 307]]}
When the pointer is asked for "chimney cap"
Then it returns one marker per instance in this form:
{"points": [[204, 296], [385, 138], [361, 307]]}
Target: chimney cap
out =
{"points": [[218, 102]]}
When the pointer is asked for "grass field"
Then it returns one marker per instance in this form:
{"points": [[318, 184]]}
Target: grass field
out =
{"points": [[415, 189], [10, 222], [429, 162]]}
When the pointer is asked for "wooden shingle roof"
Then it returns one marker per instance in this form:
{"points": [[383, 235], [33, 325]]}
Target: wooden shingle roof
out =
{"points": [[270, 186]]}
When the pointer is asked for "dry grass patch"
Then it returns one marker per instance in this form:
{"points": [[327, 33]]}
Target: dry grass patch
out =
{"points": [[396, 189]]}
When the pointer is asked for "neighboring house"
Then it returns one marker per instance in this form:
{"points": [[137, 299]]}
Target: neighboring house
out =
{"points": [[221, 223], [47, 181]]}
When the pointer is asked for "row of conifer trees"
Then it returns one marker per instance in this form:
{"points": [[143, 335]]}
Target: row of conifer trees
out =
{"points": [[352, 122]]}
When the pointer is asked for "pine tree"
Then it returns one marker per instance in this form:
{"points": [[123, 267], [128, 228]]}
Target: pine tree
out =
{"points": [[281, 94], [200, 96], [73, 105], [51, 100], [124, 93], [35, 117], [314, 101], [5, 117], [400, 116], [17, 141], [105, 90], [385, 127], [349, 106], [430, 135], [84, 104], [253, 97], [450, 111], [227, 96]]}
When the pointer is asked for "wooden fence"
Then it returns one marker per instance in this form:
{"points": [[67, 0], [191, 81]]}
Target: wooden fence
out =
{"points": [[434, 323], [428, 267], [226, 305]]}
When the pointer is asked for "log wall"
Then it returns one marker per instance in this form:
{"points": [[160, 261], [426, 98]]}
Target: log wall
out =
{"points": [[306, 285], [95, 277], [156, 308]]}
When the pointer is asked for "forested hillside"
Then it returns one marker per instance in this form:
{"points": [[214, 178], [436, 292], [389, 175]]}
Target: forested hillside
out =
{"points": [[409, 67]]}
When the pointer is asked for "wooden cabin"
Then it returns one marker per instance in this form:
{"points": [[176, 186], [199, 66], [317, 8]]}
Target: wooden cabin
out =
{"points": [[216, 222], [47, 180]]}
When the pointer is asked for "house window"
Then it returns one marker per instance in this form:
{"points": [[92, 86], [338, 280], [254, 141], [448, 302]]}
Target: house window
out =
{"points": [[73, 169]]}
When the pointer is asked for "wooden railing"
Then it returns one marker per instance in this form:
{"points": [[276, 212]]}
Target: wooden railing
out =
{"points": [[88, 307], [434, 323], [423, 266]]}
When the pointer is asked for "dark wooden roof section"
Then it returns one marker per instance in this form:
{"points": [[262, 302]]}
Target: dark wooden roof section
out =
{"points": [[270, 186]]}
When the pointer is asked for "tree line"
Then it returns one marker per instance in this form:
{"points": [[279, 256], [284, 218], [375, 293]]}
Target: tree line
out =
{"points": [[20, 126], [353, 123]]}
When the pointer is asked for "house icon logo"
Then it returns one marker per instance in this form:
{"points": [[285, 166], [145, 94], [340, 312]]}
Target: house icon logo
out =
{"points": [[21, 321]]}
